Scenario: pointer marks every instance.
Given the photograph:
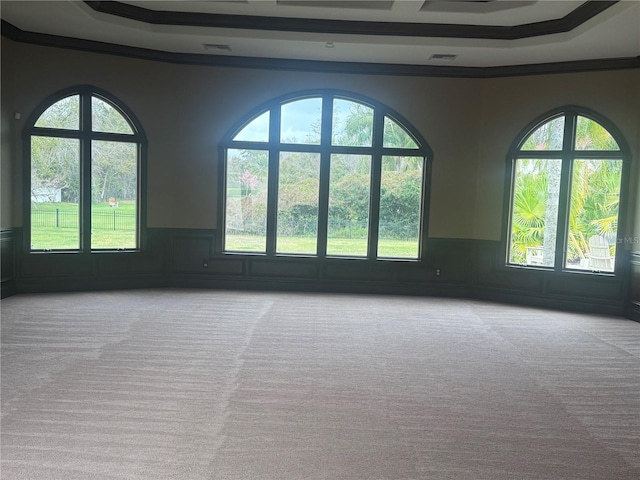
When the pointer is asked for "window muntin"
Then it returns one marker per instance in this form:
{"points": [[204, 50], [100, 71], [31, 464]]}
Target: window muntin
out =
{"points": [[323, 174], [565, 199], [85, 158], [246, 200]]}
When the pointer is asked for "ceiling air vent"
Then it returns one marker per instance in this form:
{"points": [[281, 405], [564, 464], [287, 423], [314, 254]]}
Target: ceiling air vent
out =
{"points": [[443, 56], [220, 47]]}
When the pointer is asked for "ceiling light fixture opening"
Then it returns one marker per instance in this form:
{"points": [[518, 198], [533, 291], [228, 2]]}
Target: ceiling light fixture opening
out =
{"points": [[443, 56]]}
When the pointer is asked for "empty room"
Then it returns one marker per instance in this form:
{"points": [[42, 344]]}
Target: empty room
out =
{"points": [[298, 239]]}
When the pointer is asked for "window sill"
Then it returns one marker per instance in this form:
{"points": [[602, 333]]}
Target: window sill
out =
{"points": [[79, 252], [330, 258], [565, 271]]}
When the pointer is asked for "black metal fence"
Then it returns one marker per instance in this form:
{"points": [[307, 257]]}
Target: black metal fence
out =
{"points": [[114, 220]]}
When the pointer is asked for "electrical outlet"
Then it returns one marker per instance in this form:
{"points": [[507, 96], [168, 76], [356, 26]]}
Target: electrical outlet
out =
{"points": [[437, 272]]}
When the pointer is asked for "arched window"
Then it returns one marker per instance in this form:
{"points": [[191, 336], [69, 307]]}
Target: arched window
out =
{"points": [[85, 155], [567, 193], [325, 174]]}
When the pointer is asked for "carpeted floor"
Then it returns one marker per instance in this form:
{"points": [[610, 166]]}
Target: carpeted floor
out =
{"points": [[198, 384]]}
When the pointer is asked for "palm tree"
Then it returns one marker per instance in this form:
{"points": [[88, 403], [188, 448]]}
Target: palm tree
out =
{"points": [[529, 210]]}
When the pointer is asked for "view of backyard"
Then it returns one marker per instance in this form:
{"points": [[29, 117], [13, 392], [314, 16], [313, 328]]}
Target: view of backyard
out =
{"points": [[349, 197], [56, 187], [593, 200], [365, 181], [56, 226]]}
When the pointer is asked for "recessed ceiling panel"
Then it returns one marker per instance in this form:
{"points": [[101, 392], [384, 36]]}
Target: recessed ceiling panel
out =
{"points": [[473, 6], [357, 4]]}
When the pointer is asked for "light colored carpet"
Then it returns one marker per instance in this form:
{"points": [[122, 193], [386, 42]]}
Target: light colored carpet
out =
{"points": [[199, 384]]}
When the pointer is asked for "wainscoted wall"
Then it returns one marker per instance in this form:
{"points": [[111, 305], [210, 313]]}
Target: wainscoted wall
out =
{"points": [[187, 258], [633, 303], [7, 261]]}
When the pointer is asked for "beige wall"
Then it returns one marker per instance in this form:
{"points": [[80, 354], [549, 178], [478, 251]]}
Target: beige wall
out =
{"points": [[185, 110]]}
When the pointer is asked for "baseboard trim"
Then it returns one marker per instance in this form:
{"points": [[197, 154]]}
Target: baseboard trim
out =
{"points": [[459, 268]]}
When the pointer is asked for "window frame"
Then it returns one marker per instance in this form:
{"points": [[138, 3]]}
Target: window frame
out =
{"points": [[325, 149], [568, 155], [85, 136]]}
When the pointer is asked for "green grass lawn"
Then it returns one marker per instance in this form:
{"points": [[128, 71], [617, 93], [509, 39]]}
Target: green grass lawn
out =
{"points": [[45, 234], [55, 226], [336, 246]]}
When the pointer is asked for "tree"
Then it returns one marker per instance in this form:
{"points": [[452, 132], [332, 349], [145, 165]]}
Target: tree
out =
{"points": [[55, 165], [594, 194], [113, 171], [55, 161], [529, 209]]}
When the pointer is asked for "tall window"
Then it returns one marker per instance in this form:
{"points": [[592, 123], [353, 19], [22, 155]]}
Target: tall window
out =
{"points": [[325, 174], [85, 156], [566, 186]]}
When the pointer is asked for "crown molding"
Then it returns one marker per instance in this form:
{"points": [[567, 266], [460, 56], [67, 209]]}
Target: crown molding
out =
{"points": [[13, 33], [575, 18]]}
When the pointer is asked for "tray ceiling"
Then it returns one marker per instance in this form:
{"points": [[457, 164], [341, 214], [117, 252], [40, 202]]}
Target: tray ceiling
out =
{"points": [[480, 33]]}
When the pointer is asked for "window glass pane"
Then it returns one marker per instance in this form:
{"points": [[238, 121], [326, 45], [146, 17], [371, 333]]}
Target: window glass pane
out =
{"points": [[298, 184], [55, 177], [591, 135], [593, 216], [400, 202], [349, 196], [114, 194], [352, 124], [105, 118], [300, 121], [547, 137], [246, 200], [396, 136], [255, 131], [534, 216], [63, 114]]}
